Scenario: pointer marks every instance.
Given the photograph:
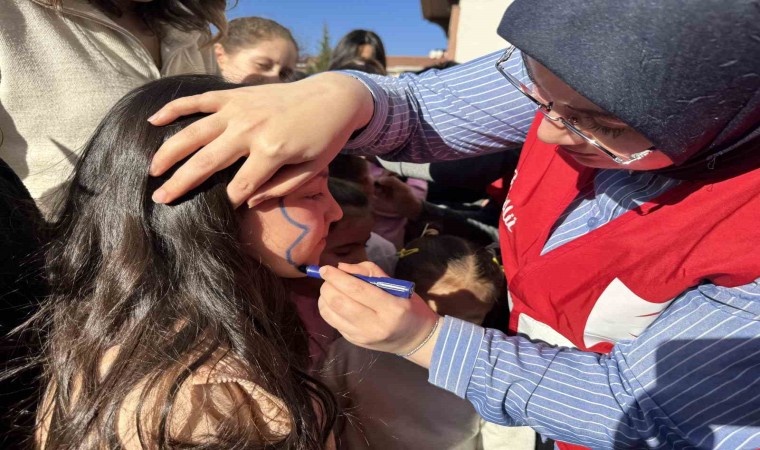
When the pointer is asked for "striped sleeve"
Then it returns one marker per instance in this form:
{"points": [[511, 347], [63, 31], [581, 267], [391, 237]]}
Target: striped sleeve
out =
{"points": [[444, 114], [689, 381]]}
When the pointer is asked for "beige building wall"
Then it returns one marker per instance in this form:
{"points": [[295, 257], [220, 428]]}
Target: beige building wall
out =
{"points": [[476, 30]]}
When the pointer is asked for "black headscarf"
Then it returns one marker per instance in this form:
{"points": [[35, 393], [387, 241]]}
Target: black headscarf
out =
{"points": [[684, 73]]}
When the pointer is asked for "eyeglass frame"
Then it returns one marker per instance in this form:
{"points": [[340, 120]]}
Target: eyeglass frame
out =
{"points": [[546, 109]]}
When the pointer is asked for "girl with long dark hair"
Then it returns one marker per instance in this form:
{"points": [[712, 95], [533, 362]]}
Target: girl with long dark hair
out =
{"points": [[358, 44], [168, 325]]}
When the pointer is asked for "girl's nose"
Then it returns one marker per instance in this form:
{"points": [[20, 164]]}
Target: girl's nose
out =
{"points": [[552, 132], [334, 212]]}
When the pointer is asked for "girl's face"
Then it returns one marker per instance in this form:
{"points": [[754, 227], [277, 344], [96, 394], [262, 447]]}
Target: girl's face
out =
{"points": [[270, 61], [290, 231], [347, 241], [608, 130], [366, 51]]}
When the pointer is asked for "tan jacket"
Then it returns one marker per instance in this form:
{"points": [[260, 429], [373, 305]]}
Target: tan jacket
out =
{"points": [[219, 391], [60, 72]]}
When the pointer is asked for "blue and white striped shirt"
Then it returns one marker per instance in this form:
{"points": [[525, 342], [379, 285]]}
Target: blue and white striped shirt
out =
{"points": [[689, 381]]}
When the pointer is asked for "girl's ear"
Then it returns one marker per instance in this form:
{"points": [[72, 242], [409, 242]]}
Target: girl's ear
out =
{"points": [[221, 55]]}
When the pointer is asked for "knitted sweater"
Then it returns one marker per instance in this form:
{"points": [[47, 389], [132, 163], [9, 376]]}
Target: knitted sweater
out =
{"points": [[60, 72]]}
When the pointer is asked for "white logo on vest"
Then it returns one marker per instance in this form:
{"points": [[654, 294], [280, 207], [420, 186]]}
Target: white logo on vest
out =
{"points": [[619, 314]]}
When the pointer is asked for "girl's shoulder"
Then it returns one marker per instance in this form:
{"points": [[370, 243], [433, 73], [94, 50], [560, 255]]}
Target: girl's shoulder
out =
{"points": [[225, 391], [233, 381], [222, 394]]}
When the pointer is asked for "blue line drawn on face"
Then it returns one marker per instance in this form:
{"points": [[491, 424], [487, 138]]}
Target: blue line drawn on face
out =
{"points": [[304, 231]]}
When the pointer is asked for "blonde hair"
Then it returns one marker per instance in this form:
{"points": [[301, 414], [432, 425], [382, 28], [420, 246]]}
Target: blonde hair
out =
{"points": [[246, 32], [430, 260]]}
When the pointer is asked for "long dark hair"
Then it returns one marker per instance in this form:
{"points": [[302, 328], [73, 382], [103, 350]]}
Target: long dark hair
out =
{"points": [[348, 47], [185, 15], [166, 285]]}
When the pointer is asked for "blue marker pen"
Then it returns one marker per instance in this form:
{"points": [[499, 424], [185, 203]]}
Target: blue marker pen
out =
{"points": [[398, 288]]}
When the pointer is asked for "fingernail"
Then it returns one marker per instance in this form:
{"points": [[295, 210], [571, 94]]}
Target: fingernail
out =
{"points": [[323, 270], [154, 117], [152, 170], [159, 196], [254, 201]]}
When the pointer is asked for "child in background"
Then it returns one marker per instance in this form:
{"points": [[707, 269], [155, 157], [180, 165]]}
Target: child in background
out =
{"points": [[358, 44], [257, 51], [356, 170], [389, 223], [351, 239], [388, 402]]}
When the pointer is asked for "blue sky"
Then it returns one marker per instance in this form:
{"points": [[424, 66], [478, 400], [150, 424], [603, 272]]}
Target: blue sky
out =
{"points": [[398, 22]]}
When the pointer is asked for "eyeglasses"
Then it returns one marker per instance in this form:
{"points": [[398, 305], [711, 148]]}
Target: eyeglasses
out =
{"points": [[546, 110]]}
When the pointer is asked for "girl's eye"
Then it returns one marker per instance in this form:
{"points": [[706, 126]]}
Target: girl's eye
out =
{"points": [[614, 132], [318, 196], [592, 125], [263, 66]]}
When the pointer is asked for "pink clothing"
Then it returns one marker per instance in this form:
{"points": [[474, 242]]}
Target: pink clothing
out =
{"points": [[321, 334], [388, 223]]}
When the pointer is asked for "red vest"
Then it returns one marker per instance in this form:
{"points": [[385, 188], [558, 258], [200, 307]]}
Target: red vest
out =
{"points": [[614, 281]]}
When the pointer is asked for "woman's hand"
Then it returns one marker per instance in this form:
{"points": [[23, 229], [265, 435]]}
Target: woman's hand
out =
{"points": [[292, 131], [369, 317]]}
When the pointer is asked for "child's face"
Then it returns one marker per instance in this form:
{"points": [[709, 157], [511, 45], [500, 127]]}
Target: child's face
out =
{"points": [[268, 61], [290, 231], [347, 240]]}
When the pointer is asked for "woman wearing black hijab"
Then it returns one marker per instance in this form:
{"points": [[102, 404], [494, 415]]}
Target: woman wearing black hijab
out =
{"points": [[637, 197]]}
